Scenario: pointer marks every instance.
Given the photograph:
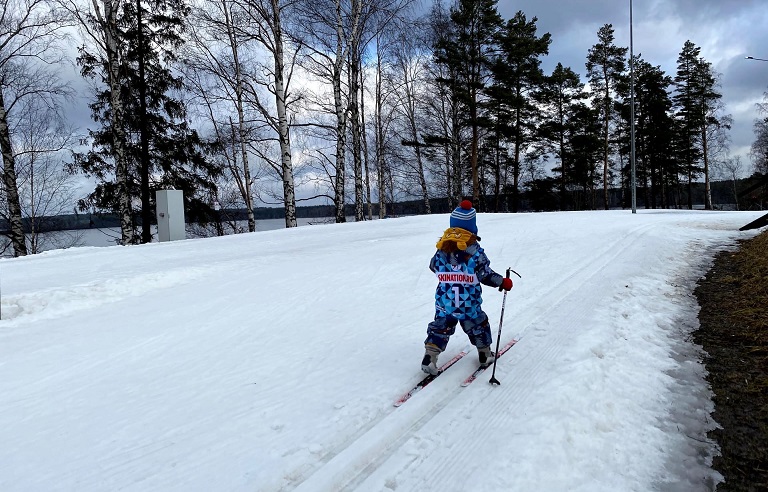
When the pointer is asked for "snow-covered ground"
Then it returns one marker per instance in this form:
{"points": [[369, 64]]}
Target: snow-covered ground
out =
{"points": [[270, 361]]}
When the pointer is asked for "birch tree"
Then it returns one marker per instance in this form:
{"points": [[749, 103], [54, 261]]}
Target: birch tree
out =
{"points": [[321, 30], [759, 148], [443, 126], [100, 26], [29, 33], [268, 29], [411, 62], [215, 64], [42, 139]]}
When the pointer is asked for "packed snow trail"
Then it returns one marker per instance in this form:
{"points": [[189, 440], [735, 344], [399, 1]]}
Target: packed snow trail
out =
{"points": [[270, 361]]}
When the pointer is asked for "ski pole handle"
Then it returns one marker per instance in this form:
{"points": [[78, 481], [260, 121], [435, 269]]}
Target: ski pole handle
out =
{"points": [[507, 276], [501, 288]]}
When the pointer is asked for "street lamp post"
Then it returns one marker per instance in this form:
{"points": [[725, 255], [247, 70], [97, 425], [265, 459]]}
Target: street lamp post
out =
{"points": [[632, 112], [753, 58]]}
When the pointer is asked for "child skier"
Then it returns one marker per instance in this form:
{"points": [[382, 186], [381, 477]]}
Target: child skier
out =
{"points": [[461, 266]]}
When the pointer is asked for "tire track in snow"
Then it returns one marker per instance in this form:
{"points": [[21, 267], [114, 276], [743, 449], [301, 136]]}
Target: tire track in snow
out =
{"points": [[355, 460]]}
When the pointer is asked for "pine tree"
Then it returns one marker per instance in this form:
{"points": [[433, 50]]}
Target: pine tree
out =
{"points": [[584, 151], [468, 54], [161, 149], [517, 76], [687, 115], [654, 140], [694, 97], [560, 92], [707, 99], [605, 67]]}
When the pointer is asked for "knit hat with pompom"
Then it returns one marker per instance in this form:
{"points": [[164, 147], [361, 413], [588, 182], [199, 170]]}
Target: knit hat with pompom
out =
{"points": [[464, 216]]}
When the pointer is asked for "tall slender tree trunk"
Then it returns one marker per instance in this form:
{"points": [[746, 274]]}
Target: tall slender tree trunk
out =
{"points": [[380, 174], [18, 240], [458, 180], [705, 152], [341, 119], [245, 187], [146, 210], [411, 112], [354, 120], [473, 154], [561, 144], [516, 166], [606, 136], [354, 107], [289, 193], [365, 150], [117, 120], [497, 173]]}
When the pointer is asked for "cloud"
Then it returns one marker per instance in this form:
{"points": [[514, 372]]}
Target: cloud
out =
{"points": [[726, 31]]}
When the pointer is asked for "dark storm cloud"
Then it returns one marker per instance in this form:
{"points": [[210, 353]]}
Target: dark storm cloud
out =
{"points": [[726, 31]]}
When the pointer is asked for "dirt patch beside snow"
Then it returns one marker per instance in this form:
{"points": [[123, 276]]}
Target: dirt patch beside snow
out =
{"points": [[734, 334]]}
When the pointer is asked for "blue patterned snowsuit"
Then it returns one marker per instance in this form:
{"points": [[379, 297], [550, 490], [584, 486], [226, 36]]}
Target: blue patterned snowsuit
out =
{"points": [[459, 295]]}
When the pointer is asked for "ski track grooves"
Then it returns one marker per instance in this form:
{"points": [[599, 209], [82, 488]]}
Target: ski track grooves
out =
{"points": [[356, 460]]}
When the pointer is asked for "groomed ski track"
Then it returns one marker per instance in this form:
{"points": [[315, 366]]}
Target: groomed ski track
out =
{"points": [[397, 451], [271, 361]]}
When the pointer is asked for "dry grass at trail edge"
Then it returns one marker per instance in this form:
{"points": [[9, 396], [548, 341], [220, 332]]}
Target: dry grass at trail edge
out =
{"points": [[734, 333]]}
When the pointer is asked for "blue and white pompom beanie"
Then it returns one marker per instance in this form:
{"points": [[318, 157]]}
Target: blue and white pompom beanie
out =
{"points": [[464, 216]]}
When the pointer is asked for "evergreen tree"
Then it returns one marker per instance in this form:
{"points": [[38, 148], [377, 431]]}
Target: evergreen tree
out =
{"points": [[707, 100], [653, 121], [605, 68], [559, 94], [655, 162], [688, 114], [517, 74], [468, 53], [162, 150], [583, 151]]}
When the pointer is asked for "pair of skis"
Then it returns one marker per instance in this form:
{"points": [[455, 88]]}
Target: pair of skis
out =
{"points": [[429, 378]]}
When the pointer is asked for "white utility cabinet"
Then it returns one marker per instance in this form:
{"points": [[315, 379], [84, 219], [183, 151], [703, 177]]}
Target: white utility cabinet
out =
{"points": [[170, 215]]}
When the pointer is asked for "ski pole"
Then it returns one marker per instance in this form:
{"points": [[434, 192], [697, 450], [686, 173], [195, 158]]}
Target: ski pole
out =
{"points": [[493, 379]]}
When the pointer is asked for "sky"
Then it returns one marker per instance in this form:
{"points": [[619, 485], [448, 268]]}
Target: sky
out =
{"points": [[726, 31], [270, 361]]}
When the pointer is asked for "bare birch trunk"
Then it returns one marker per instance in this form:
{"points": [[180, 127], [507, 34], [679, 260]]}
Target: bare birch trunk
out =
{"points": [[365, 151], [245, 190], [289, 193], [109, 25], [411, 108], [354, 108], [341, 118], [380, 175], [18, 240]]}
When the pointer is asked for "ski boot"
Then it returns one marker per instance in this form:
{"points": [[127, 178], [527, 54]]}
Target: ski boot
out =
{"points": [[429, 362], [486, 356]]}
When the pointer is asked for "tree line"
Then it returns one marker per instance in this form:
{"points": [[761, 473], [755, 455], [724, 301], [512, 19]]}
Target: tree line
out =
{"points": [[368, 102]]}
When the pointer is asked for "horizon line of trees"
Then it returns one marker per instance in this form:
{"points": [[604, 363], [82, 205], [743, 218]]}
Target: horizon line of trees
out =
{"points": [[364, 100]]}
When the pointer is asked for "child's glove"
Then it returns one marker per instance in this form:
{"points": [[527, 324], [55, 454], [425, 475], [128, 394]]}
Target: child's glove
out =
{"points": [[506, 284]]}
